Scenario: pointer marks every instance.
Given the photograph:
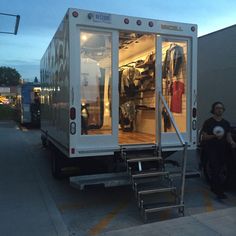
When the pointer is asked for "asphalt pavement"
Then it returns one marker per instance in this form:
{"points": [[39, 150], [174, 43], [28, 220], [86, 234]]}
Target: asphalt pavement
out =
{"points": [[33, 204], [216, 223], [25, 202]]}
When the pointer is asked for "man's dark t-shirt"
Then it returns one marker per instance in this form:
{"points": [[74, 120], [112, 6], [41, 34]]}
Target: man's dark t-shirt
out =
{"points": [[212, 126]]}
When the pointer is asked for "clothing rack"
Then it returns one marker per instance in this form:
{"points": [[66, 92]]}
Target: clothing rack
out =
{"points": [[128, 64]]}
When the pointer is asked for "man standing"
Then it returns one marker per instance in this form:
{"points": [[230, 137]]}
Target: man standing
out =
{"points": [[216, 135]]}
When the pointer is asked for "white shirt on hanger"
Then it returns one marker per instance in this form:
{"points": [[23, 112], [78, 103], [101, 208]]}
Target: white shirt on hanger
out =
{"points": [[89, 81]]}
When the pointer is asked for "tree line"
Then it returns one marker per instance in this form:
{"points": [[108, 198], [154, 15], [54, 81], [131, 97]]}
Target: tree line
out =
{"points": [[9, 76]]}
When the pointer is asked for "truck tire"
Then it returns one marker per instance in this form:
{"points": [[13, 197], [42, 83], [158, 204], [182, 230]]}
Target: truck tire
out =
{"points": [[44, 141], [56, 164]]}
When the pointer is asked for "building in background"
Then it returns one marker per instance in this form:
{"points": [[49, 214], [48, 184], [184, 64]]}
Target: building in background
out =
{"points": [[8, 95], [217, 72]]}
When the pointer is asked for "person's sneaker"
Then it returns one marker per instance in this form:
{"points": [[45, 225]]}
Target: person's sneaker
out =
{"points": [[222, 196]]}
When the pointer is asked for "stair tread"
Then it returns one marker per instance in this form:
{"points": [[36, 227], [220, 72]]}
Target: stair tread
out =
{"points": [[156, 190], [143, 159], [159, 207], [151, 184], [152, 180], [148, 173]]}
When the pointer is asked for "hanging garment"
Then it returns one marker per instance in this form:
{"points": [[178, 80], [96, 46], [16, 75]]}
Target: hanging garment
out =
{"points": [[89, 81], [148, 81], [120, 79], [166, 119], [150, 59], [176, 98], [173, 61], [129, 84], [128, 110], [127, 115], [84, 119], [90, 89], [148, 62], [94, 119], [139, 63]]}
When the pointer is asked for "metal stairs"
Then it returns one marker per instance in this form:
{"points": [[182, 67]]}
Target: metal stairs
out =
{"points": [[152, 185]]}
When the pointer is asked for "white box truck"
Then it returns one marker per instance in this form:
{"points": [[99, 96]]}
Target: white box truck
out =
{"points": [[113, 84]]}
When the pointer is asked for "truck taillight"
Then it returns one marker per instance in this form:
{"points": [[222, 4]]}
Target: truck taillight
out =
{"points": [[72, 128], [72, 150], [72, 113]]}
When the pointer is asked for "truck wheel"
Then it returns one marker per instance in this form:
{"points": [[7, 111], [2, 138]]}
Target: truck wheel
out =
{"points": [[56, 164], [44, 142]]}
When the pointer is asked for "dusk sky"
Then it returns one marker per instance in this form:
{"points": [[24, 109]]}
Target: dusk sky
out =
{"points": [[40, 19]]}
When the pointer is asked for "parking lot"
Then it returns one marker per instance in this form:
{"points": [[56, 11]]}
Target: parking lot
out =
{"points": [[42, 205]]}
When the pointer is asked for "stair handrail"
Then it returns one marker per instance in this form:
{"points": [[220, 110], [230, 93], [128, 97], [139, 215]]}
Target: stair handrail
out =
{"points": [[161, 99]]}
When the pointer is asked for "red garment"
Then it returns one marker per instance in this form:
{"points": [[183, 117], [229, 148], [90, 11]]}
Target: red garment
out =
{"points": [[176, 98]]}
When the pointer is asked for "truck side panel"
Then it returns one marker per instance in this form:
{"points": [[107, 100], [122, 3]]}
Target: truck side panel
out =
{"points": [[55, 87]]}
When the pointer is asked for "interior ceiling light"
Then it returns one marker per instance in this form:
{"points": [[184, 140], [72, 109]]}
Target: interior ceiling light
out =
{"points": [[84, 37]]}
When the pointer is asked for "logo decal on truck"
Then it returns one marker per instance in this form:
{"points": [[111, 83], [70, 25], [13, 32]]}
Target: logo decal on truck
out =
{"points": [[171, 27], [102, 18]]}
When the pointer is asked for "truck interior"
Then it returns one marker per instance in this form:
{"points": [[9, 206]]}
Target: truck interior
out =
{"points": [[137, 85]]}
